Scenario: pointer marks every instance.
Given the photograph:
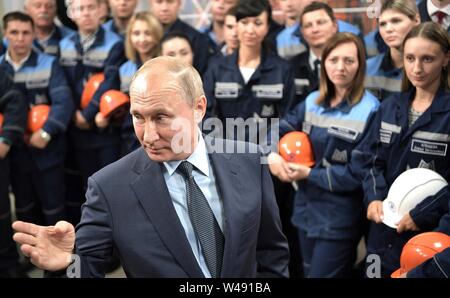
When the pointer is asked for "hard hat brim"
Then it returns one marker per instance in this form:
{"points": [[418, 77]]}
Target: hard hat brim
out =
{"points": [[397, 273]]}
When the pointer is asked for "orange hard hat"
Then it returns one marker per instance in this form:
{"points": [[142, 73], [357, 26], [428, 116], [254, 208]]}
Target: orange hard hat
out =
{"points": [[90, 87], [1, 121], [295, 147], [37, 116], [419, 249], [112, 100]]}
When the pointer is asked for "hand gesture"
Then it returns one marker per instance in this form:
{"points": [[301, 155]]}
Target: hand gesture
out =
{"points": [[49, 248]]}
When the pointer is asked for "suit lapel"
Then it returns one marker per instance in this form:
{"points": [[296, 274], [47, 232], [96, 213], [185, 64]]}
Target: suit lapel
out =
{"points": [[157, 203], [228, 182]]}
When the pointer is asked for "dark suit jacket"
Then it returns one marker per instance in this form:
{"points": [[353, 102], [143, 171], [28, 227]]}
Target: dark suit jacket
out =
{"points": [[129, 208]]}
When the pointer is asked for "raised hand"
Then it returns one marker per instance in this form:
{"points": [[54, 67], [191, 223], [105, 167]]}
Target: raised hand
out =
{"points": [[48, 247]]}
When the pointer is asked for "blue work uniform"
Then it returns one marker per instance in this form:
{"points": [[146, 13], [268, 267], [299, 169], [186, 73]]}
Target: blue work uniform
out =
{"points": [[382, 77], [94, 148], [14, 110], [129, 140], [111, 26], [306, 79], [268, 93], [393, 147], [42, 81], [290, 42], [329, 210], [51, 45], [374, 43]]}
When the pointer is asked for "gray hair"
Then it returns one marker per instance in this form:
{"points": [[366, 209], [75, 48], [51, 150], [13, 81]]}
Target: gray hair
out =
{"points": [[188, 79]]}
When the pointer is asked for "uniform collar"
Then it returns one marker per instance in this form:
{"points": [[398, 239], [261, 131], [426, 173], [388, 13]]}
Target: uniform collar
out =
{"points": [[30, 60], [344, 106]]}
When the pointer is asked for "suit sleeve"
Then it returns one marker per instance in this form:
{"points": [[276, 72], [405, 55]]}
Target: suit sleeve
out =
{"points": [[272, 253], [94, 233]]}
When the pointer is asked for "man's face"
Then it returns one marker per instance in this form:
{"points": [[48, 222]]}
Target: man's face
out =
{"points": [[230, 32], [317, 28], [122, 9], [164, 122], [220, 7], [85, 14], [20, 37], [166, 11], [42, 12], [292, 9]]}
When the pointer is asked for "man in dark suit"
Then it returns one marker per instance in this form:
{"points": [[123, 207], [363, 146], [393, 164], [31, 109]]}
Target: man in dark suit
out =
{"points": [[142, 205]]}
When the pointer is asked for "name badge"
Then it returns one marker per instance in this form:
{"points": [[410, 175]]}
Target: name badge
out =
{"points": [[430, 148], [268, 91], [226, 90], [345, 133], [301, 85], [38, 83]]}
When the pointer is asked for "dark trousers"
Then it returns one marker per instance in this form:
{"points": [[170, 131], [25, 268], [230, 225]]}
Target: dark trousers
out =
{"points": [[79, 167], [325, 258], [8, 253], [285, 195]]}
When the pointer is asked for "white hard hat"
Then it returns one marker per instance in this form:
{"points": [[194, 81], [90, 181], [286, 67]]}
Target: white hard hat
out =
{"points": [[408, 190]]}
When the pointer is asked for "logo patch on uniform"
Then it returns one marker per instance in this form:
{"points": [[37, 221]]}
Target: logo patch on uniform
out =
{"points": [[426, 165], [430, 148], [339, 156], [268, 111]]}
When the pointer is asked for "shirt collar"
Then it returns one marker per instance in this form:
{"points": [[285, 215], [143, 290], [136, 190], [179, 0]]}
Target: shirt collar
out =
{"points": [[16, 66], [432, 9], [312, 58], [198, 158]]}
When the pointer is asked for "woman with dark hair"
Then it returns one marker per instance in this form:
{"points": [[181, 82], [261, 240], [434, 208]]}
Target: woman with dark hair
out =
{"points": [[411, 130], [328, 210], [177, 44], [252, 83]]}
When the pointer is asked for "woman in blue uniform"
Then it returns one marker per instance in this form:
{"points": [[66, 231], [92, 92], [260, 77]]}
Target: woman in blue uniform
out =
{"points": [[411, 130], [144, 33], [328, 210], [252, 83], [384, 71]]}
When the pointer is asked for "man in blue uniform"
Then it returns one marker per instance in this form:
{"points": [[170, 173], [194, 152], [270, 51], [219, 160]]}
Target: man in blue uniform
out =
{"points": [[14, 114], [92, 50], [122, 11], [48, 34], [37, 167]]}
